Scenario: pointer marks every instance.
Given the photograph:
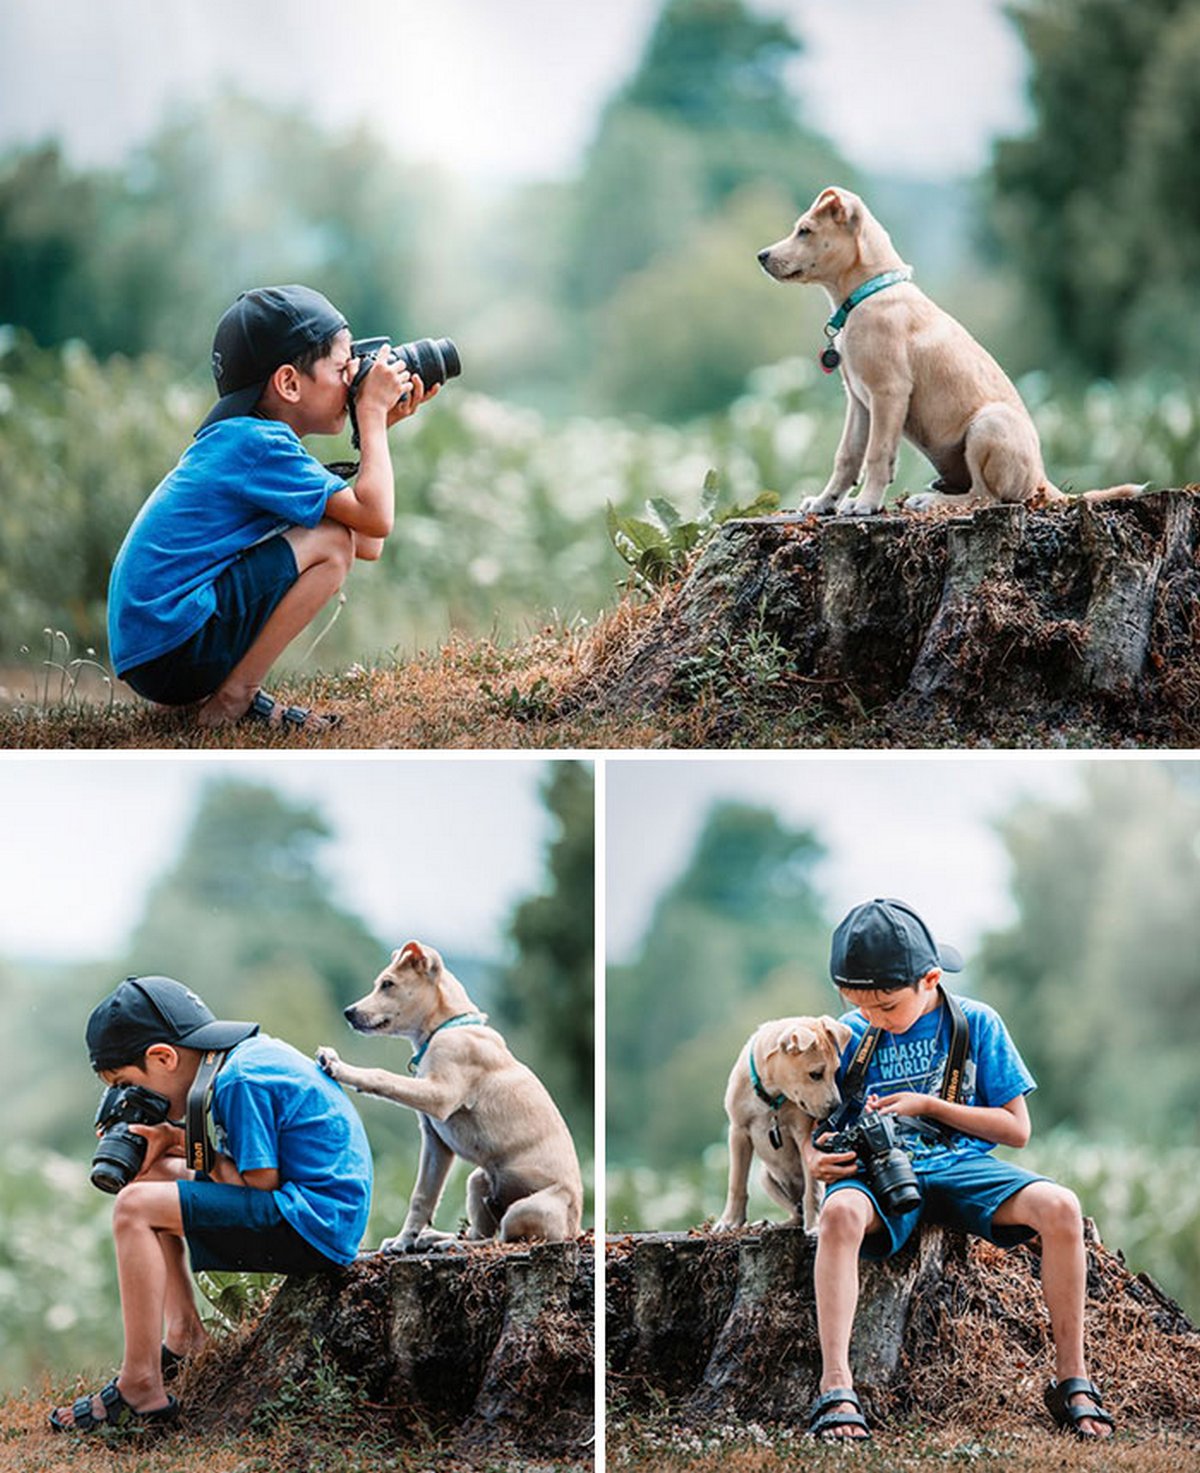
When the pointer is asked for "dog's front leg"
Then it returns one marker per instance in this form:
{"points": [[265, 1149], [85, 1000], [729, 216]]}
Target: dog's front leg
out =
{"points": [[436, 1160], [741, 1152], [888, 412], [429, 1095], [847, 463]]}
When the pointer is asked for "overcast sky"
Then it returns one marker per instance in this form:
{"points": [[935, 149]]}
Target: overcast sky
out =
{"points": [[424, 848], [497, 90], [919, 827]]}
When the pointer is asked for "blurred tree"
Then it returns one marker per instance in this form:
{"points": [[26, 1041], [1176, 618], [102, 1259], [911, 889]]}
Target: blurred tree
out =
{"points": [[743, 915], [1098, 203], [548, 993], [662, 254], [224, 196], [1097, 977], [48, 219], [247, 903]]}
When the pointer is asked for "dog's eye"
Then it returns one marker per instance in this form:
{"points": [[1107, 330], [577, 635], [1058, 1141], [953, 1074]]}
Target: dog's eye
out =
{"points": [[816, 1074], [386, 985], [802, 230]]}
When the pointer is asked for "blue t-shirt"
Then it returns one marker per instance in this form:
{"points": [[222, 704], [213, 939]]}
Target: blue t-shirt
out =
{"points": [[240, 481], [272, 1107], [994, 1072]]}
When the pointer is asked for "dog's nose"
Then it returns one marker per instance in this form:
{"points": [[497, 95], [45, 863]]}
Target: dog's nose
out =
{"points": [[763, 254], [350, 1013]]}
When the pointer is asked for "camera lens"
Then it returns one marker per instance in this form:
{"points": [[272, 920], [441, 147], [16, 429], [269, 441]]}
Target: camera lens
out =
{"points": [[118, 1158], [893, 1178], [433, 360]]}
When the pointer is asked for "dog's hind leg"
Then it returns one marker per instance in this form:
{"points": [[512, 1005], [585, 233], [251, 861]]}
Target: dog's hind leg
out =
{"points": [[1003, 456], [481, 1209], [550, 1215]]}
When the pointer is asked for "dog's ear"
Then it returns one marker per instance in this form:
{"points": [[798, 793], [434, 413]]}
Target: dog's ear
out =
{"points": [[797, 1040], [839, 1032], [840, 206], [422, 958]]}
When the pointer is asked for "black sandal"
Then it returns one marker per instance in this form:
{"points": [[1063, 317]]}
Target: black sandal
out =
{"points": [[263, 708], [119, 1415], [821, 1420], [1068, 1415]]}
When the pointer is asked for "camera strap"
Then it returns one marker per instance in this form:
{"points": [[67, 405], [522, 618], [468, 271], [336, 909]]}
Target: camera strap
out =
{"points": [[199, 1142], [952, 1078]]}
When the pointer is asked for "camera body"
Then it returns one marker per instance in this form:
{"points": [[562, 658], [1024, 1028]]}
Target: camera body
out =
{"points": [[119, 1155], [874, 1139]]}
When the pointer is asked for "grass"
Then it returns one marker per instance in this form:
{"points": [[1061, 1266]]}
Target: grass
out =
{"points": [[554, 689], [27, 1445], [660, 1447]]}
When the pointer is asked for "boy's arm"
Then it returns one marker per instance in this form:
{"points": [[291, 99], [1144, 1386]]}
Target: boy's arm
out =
{"points": [[368, 507], [262, 1179], [1005, 1125]]}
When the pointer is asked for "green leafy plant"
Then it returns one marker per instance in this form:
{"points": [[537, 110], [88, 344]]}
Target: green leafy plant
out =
{"points": [[236, 1298], [657, 547]]}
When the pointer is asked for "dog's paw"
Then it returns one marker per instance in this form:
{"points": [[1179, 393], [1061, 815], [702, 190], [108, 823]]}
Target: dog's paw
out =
{"points": [[328, 1061], [728, 1225], [401, 1243], [815, 506], [921, 501]]}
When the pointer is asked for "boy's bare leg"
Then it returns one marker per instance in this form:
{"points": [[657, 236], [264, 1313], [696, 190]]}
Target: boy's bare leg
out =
{"points": [[146, 1216], [324, 554], [1053, 1212], [846, 1218], [183, 1329]]}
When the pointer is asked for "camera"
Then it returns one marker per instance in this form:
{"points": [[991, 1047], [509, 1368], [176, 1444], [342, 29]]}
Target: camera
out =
{"points": [[889, 1172], [433, 360], [121, 1151]]}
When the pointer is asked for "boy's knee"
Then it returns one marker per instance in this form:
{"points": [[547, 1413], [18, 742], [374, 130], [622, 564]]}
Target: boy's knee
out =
{"points": [[129, 1207], [845, 1215], [1061, 1213]]}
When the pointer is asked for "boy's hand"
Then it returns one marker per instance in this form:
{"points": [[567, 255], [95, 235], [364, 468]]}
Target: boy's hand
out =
{"points": [[416, 397], [829, 1165], [380, 391], [905, 1103], [165, 1140]]}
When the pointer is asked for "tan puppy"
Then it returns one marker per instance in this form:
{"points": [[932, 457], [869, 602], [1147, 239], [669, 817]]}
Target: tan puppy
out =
{"points": [[909, 369], [794, 1061], [474, 1100]]}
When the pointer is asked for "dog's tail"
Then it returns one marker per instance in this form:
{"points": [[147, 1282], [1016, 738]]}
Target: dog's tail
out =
{"points": [[1050, 492]]}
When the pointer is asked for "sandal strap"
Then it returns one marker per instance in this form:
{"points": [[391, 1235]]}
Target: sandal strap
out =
{"points": [[295, 715], [262, 706], [831, 1398], [1068, 1413]]}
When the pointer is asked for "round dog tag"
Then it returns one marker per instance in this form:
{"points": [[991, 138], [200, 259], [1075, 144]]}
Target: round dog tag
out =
{"points": [[830, 359]]}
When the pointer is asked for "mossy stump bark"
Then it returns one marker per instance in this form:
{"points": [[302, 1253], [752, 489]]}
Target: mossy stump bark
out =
{"points": [[486, 1348], [722, 1327], [1004, 621]]}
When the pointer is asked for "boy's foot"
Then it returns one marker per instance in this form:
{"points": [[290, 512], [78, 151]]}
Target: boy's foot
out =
{"points": [[223, 710], [108, 1408], [1078, 1407], [837, 1416]]}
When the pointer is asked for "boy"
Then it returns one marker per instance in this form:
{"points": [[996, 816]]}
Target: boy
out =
{"points": [[884, 959], [289, 1189], [244, 542]]}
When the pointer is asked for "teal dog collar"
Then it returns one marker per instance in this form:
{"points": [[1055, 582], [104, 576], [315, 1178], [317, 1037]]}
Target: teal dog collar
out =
{"points": [[830, 358]]}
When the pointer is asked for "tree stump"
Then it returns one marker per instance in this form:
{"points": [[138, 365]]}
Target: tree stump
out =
{"points": [[1009, 622], [491, 1347], [717, 1326]]}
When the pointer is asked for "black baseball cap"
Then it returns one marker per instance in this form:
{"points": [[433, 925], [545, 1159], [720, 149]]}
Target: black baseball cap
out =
{"points": [[265, 327], [885, 943], [146, 1010]]}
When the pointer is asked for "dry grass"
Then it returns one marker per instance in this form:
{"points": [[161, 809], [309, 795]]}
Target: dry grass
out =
{"points": [[27, 1445], [657, 1447]]}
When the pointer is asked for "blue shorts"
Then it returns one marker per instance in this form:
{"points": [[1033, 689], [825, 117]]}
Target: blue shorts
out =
{"points": [[248, 592], [961, 1192], [241, 1229]]}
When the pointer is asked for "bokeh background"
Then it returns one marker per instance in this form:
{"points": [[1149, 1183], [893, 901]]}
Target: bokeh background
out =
{"points": [[1070, 886], [576, 196], [278, 891]]}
